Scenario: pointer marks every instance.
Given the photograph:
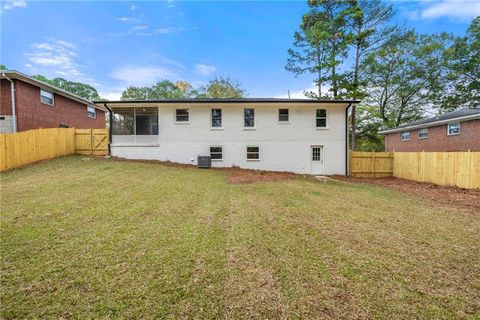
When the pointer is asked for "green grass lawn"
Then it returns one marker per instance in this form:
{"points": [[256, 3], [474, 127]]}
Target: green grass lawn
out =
{"points": [[112, 239]]}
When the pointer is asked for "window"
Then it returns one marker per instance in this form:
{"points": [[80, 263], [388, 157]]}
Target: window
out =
{"points": [[182, 115], [146, 121], [423, 133], [216, 153], [46, 97], [453, 129], [405, 135], [321, 117], [253, 153], [91, 112], [123, 121], [249, 116], [216, 118], [283, 115]]}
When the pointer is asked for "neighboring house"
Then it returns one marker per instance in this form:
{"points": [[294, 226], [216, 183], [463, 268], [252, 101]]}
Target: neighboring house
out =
{"points": [[455, 131], [26, 103], [297, 135]]}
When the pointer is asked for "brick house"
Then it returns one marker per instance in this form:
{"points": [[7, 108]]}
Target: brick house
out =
{"points": [[40, 105], [455, 131]]}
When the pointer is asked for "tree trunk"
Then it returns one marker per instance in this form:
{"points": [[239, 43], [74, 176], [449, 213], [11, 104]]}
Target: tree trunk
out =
{"points": [[355, 96]]}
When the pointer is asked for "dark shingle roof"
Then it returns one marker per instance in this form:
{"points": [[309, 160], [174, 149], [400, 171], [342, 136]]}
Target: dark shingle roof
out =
{"points": [[446, 116], [424, 123]]}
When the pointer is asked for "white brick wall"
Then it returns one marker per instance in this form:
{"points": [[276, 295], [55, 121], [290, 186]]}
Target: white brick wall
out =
{"points": [[283, 147]]}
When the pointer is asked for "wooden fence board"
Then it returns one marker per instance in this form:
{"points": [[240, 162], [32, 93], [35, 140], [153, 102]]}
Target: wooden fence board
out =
{"points": [[18, 149], [460, 169]]}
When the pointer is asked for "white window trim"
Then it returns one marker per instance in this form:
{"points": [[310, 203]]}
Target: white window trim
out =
{"points": [[278, 116], [246, 153], [215, 146], [94, 112], [53, 98], [448, 129], [181, 122], [409, 136], [211, 120], [326, 119], [418, 134], [254, 120]]}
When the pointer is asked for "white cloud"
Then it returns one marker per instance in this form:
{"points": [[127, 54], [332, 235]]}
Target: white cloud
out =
{"points": [[10, 4], [56, 54], [127, 20], [158, 31], [133, 8], [136, 28], [457, 9], [144, 75], [110, 95], [204, 69]]}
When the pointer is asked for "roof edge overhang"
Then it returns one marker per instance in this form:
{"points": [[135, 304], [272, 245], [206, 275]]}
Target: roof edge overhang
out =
{"points": [[227, 101], [13, 74], [430, 124]]}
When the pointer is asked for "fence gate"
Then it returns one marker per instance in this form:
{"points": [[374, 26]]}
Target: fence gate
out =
{"points": [[91, 141]]}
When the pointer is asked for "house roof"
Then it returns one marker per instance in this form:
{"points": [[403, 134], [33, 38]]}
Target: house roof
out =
{"points": [[13, 74], [460, 114], [223, 101]]}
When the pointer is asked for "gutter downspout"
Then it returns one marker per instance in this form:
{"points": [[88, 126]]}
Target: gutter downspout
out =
{"points": [[12, 94], [110, 128], [347, 140]]}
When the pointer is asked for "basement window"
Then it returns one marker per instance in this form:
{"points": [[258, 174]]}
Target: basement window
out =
{"points": [[253, 153], [91, 112], [283, 115], [453, 129], [182, 115], [423, 133], [46, 97], [321, 118], [216, 153], [405, 135]]}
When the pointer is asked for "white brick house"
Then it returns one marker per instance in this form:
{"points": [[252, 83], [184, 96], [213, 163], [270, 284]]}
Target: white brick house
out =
{"points": [[296, 135]]}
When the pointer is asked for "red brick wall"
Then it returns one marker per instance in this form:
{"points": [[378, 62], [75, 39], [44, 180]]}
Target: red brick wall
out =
{"points": [[32, 114], [5, 99], [469, 138]]}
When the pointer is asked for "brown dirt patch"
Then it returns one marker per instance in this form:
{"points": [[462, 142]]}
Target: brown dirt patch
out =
{"points": [[241, 176], [443, 195], [236, 175]]}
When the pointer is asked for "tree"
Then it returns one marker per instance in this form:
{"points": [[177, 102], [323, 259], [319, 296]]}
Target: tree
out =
{"points": [[222, 88], [461, 87], [3, 67], [400, 74], [322, 43], [165, 89], [77, 88], [370, 31]]}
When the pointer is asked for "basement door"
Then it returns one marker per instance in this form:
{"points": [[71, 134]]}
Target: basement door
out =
{"points": [[316, 159]]}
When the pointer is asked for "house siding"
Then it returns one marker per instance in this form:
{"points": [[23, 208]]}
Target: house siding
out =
{"points": [[283, 147], [438, 140], [33, 114]]}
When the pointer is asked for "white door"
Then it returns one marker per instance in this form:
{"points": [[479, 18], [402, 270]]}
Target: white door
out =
{"points": [[316, 159]]}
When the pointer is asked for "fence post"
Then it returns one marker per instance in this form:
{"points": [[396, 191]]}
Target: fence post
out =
{"points": [[373, 164], [91, 141]]}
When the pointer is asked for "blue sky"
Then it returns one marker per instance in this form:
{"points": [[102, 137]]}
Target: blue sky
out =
{"points": [[113, 44]]}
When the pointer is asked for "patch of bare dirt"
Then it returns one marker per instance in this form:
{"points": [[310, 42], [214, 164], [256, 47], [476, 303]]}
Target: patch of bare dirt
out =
{"points": [[236, 175], [241, 176], [443, 195]]}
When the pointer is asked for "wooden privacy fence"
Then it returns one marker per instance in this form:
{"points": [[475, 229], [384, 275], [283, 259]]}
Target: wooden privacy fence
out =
{"points": [[371, 164], [18, 149], [460, 169]]}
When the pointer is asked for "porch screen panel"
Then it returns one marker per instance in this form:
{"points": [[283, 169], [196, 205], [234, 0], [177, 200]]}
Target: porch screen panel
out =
{"points": [[146, 121], [123, 121]]}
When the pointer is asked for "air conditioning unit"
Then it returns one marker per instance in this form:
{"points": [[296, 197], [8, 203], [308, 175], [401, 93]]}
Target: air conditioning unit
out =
{"points": [[204, 162]]}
